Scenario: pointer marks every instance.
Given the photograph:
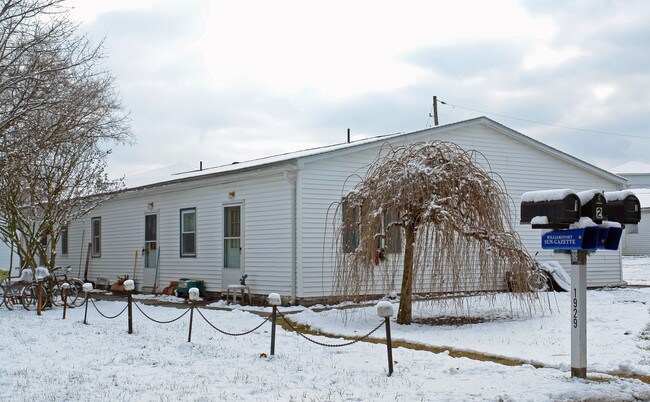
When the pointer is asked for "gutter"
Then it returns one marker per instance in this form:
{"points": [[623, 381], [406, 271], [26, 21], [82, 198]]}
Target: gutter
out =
{"points": [[291, 178]]}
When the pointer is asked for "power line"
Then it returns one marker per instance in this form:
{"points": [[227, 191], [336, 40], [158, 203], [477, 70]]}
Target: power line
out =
{"points": [[543, 123]]}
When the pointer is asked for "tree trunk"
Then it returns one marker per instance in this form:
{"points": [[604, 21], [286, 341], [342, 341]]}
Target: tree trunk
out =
{"points": [[404, 315]]}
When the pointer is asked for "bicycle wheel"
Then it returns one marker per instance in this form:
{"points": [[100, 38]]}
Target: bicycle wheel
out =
{"points": [[71, 294], [538, 282], [80, 298], [28, 296], [12, 295], [3, 285]]}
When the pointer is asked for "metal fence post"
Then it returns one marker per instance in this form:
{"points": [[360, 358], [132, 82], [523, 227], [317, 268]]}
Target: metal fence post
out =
{"points": [[129, 286], [274, 300], [385, 310], [193, 295], [64, 295], [87, 287]]}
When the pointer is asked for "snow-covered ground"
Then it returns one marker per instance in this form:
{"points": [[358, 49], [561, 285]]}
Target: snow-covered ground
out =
{"points": [[47, 358]]}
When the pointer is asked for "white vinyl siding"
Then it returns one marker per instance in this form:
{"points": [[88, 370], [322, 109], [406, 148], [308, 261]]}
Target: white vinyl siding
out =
{"points": [[638, 243], [267, 231], [522, 168]]}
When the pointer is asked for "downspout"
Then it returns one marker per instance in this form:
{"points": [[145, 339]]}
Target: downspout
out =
{"points": [[291, 179]]}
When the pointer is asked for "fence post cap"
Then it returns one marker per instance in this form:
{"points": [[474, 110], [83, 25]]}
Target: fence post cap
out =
{"points": [[274, 299], [384, 309], [193, 294], [87, 287], [129, 285], [42, 273]]}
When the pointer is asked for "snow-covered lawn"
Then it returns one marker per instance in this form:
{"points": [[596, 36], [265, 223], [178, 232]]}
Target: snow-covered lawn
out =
{"points": [[47, 358]]}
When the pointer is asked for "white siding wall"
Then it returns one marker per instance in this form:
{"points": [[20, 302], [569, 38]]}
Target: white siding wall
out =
{"points": [[522, 167], [638, 243], [266, 231]]}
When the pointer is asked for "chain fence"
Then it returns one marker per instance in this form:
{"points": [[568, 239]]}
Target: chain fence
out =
{"points": [[160, 321], [329, 345], [104, 315], [272, 318], [229, 333]]}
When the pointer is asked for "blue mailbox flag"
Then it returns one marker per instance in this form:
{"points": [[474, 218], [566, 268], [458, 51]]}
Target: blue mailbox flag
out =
{"points": [[571, 239]]}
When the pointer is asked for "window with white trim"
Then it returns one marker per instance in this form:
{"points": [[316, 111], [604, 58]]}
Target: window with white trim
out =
{"points": [[96, 236], [188, 232]]}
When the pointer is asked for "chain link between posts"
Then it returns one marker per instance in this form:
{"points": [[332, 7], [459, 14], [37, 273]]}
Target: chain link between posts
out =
{"points": [[161, 322], [327, 344], [229, 333], [104, 315]]}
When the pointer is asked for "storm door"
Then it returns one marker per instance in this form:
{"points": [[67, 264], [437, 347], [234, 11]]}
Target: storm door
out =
{"points": [[232, 245], [150, 251]]}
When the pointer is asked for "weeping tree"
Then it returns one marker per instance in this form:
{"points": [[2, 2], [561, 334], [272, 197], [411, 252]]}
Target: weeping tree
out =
{"points": [[429, 212]]}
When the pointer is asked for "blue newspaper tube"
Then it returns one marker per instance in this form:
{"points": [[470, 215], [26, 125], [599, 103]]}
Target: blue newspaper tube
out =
{"points": [[613, 238], [571, 239]]}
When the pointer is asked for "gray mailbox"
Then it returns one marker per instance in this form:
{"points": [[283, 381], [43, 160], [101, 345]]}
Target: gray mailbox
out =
{"points": [[560, 207], [623, 207], [593, 205]]}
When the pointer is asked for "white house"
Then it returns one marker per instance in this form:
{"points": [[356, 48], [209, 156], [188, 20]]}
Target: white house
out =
{"points": [[636, 173], [6, 259], [270, 218], [636, 240]]}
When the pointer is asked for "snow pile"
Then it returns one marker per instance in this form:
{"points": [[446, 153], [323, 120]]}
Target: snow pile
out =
{"points": [[558, 273], [618, 195], [102, 362], [546, 195], [588, 195]]}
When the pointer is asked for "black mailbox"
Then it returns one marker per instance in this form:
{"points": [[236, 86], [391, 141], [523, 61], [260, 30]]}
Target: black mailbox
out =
{"points": [[623, 207], [593, 205], [560, 207]]}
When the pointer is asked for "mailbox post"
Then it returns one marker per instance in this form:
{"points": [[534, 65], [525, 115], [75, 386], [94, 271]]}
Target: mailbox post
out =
{"points": [[573, 219], [579, 314]]}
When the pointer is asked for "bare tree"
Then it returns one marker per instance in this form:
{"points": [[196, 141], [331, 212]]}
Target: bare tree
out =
{"points": [[449, 217], [59, 114]]}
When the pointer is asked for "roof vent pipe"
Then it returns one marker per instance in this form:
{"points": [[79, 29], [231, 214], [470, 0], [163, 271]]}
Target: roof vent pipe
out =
{"points": [[200, 166], [348, 135]]}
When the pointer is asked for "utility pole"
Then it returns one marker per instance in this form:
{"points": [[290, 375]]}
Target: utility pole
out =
{"points": [[435, 110]]}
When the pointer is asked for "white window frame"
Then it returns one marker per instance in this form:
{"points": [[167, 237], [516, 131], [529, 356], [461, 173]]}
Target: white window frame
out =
{"points": [[183, 232], [96, 249]]}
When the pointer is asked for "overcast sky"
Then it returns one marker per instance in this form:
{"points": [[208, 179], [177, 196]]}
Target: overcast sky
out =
{"points": [[224, 81]]}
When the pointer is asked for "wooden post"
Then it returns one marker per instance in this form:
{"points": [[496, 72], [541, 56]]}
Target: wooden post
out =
{"points": [[65, 301], [39, 293], [435, 110]]}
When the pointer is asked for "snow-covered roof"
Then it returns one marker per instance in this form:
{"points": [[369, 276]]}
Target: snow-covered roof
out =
{"points": [[632, 167], [155, 175], [167, 177]]}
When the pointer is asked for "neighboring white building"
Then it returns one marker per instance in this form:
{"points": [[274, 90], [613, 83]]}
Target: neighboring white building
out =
{"points": [[636, 239], [271, 219], [6, 258], [636, 173]]}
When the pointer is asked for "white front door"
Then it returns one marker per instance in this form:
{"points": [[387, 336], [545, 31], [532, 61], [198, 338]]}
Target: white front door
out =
{"points": [[232, 245], [150, 251]]}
